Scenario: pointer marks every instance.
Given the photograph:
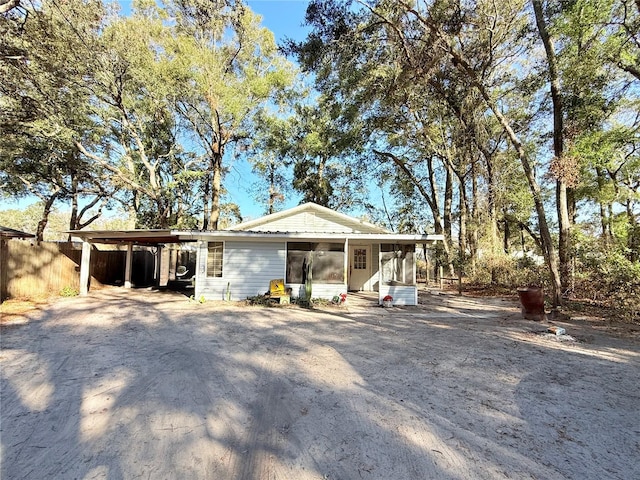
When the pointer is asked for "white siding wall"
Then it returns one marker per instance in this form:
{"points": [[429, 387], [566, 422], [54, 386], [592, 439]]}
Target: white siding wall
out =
{"points": [[247, 268], [402, 294]]}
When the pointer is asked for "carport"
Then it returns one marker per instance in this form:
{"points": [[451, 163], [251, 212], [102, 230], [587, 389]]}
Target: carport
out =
{"points": [[153, 238]]}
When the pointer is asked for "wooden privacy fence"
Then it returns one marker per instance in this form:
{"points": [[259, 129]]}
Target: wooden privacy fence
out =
{"points": [[28, 269]]}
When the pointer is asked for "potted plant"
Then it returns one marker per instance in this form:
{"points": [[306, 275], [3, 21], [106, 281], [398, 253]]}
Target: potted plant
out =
{"points": [[532, 301]]}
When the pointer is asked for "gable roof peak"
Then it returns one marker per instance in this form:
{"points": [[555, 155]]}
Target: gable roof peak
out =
{"points": [[278, 220]]}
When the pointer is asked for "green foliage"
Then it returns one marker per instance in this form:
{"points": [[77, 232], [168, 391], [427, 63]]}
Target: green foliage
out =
{"points": [[68, 291], [605, 274], [27, 219], [500, 270], [308, 284], [200, 300], [231, 73], [92, 102], [619, 280], [45, 104]]}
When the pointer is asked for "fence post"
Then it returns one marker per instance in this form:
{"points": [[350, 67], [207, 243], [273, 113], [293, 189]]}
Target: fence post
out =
{"points": [[3, 268]]}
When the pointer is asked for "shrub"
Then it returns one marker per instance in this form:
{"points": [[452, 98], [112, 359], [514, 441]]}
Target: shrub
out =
{"points": [[618, 281], [68, 291], [505, 271]]}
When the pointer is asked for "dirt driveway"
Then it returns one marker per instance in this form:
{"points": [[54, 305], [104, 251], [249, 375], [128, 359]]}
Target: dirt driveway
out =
{"points": [[138, 384]]}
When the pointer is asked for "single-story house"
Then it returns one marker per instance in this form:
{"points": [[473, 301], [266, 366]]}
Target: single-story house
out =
{"points": [[334, 252]]}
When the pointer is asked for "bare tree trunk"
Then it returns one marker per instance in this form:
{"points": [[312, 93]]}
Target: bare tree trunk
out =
{"points": [[6, 5], [475, 216], [216, 184], [46, 211], [464, 209], [216, 153], [448, 200], [206, 200], [272, 189], [439, 222], [562, 204], [491, 200], [431, 198], [463, 65], [506, 244], [633, 241], [133, 211], [546, 240], [605, 218], [73, 221]]}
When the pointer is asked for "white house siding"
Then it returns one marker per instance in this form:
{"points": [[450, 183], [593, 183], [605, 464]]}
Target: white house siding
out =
{"points": [[402, 294], [247, 268], [311, 222]]}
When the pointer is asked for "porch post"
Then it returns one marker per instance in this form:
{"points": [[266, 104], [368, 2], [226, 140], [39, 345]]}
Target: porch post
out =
{"points": [[346, 264], [201, 267], [163, 267], [380, 296], [85, 268], [127, 266], [415, 276]]}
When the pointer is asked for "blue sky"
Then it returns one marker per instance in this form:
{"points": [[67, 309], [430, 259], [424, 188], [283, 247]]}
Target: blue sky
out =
{"points": [[284, 18]]}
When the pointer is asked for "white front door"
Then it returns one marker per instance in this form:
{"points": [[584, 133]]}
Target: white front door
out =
{"points": [[360, 267]]}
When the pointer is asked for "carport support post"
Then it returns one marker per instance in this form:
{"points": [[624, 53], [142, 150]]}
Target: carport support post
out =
{"points": [[127, 266], [85, 264]]}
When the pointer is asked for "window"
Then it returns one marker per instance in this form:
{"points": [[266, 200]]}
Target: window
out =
{"points": [[326, 261], [397, 264], [297, 260], [215, 251]]}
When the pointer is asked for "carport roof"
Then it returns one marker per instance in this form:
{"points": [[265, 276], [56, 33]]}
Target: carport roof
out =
{"points": [[140, 237]]}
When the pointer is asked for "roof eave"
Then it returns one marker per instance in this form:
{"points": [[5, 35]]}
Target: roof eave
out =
{"points": [[274, 236]]}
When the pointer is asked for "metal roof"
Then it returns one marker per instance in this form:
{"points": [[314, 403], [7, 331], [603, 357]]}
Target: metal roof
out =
{"points": [[313, 208], [244, 232], [139, 237], [6, 232], [155, 237]]}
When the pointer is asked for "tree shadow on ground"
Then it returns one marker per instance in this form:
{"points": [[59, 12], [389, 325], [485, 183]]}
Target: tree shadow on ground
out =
{"points": [[128, 384]]}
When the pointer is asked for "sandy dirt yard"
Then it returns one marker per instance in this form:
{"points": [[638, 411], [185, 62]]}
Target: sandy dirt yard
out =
{"points": [[140, 384]]}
